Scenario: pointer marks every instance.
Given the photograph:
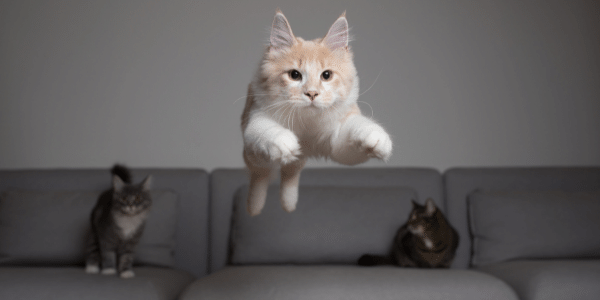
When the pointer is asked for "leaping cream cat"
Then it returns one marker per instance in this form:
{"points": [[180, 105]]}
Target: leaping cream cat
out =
{"points": [[301, 104]]}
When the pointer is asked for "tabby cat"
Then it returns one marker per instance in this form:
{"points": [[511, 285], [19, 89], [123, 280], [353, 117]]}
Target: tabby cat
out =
{"points": [[117, 224], [426, 241], [302, 103]]}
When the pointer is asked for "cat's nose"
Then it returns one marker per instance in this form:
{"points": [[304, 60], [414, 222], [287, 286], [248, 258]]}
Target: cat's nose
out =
{"points": [[312, 95]]}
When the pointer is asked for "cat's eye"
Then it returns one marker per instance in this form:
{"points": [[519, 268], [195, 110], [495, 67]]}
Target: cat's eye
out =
{"points": [[295, 75], [326, 75]]}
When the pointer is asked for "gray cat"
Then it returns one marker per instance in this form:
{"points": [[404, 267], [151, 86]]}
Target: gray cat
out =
{"points": [[118, 221], [426, 241]]}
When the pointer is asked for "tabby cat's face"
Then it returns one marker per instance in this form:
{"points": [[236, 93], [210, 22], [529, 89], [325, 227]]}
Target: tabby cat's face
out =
{"points": [[308, 74], [422, 218], [131, 199]]}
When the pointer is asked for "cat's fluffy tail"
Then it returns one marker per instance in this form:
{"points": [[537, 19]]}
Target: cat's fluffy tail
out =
{"points": [[121, 171], [374, 260]]}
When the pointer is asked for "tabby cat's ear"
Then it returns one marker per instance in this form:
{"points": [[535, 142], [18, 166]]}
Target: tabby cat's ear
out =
{"points": [[117, 183], [337, 37], [281, 33], [414, 204], [430, 207], [146, 183]]}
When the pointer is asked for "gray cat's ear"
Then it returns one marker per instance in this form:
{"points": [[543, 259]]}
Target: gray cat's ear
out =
{"points": [[430, 207], [337, 37], [281, 33], [147, 183], [117, 183]]}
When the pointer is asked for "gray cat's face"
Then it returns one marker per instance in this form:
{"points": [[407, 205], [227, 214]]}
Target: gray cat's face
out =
{"points": [[131, 199]]}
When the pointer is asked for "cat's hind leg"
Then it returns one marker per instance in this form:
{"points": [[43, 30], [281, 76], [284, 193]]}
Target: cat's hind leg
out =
{"points": [[260, 176], [290, 178]]}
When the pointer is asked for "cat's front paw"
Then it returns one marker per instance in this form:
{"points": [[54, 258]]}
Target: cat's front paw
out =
{"points": [[127, 274], [109, 271], [92, 269], [284, 148], [375, 142]]}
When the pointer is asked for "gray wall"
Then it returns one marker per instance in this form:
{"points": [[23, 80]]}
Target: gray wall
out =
{"points": [[155, 84]]}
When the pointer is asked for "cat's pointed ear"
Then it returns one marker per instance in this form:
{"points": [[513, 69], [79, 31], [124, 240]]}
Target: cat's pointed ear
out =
{"points": [[430, 207], [117, 183], [337, 37], [281, 33], [147, 183], [414, 203]]}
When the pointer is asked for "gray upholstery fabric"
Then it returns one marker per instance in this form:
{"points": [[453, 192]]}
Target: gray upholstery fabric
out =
{"points": [[190, 184], [460, 182], [225, 182], [150, 283], [550, 279], [51, 227], [329, 225], [346, 283], [511, 225]]}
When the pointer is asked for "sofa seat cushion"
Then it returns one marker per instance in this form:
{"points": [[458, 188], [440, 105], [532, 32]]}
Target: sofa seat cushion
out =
{"points": [[550, 279], [347, 283], [73, 283]]}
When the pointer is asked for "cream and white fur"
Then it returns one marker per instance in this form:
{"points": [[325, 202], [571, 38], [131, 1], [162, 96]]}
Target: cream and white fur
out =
{"points": [[289, 118]]}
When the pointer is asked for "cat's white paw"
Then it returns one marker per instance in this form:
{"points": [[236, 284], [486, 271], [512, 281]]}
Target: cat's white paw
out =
{"points": [[127, 274], [289, 198], [375, 142], [284, 148], [92, 269], [109, 271]]}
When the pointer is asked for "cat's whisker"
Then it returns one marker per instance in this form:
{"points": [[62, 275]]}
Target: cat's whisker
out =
{"points": [[369, 106], [278, 106], [337, 111], [289, 118], [301, 122], [282, 109], [273, 106], [371, 84], [294, 111], [240, 98]]}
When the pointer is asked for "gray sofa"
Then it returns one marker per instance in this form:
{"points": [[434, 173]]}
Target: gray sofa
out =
{"points": [[44, 215], [526, 233]]}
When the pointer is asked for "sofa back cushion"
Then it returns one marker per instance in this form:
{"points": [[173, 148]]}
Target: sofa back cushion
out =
{"points": [[330, 225], [225, 184], [508, 225], [50, 227], [459, 183]]}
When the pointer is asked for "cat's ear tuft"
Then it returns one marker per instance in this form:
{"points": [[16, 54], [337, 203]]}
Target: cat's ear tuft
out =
{"points": [[430, 207], [281, 33], [117, 183], [147, 183], [337, 37]]}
